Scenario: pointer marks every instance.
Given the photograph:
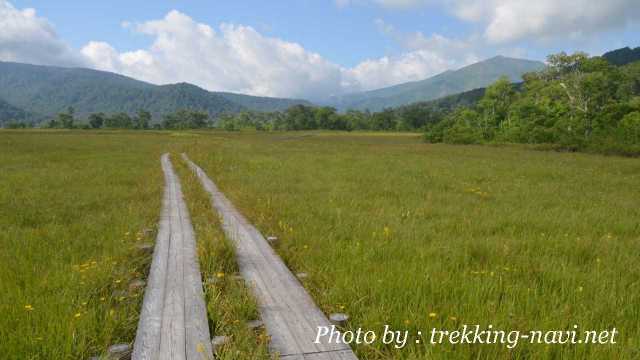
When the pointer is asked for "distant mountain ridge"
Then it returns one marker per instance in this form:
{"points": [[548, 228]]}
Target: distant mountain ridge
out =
{"points": [[623, 56], [478, 75], [46, 90]]}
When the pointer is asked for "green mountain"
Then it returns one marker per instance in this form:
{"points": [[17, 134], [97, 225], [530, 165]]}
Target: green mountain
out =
{"points": [[623, 56], [47, 90], [471, 77], [263, 104]]}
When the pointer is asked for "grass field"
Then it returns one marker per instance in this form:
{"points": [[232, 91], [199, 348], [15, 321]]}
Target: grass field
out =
{"points": [[393, 231], [390, 231]]}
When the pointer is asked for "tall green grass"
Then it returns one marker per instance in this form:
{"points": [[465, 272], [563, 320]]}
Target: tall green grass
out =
{"points": [[73, 206], [417, 236]]}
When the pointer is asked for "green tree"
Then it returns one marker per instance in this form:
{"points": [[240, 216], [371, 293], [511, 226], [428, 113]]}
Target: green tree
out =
{"points": [[186, 119], [96, 120], [384, 120], [630, 126], [119, 121], [65, 120], [464, 128], [495, 105], [142, 120]]}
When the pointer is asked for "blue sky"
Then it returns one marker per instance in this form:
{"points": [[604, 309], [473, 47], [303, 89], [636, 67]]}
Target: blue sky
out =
{"points": [[304, 48], [345, 35]]}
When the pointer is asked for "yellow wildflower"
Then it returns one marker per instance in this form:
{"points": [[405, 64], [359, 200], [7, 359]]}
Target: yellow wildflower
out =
{"points": [[220, 275], [28, 307], [433, 315], [77, 315]]}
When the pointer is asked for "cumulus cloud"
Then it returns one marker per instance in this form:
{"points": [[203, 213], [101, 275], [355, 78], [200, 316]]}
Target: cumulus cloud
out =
{"points": [[25, 37], [513, 20], [234, 57], [240, 59], [424, 56]]}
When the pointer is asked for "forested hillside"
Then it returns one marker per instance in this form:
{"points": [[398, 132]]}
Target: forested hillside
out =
{"points": [[623, 56], [577, 103], [46, 90]]}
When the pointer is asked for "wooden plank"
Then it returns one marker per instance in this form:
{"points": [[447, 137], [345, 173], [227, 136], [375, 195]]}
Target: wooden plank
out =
{"points": [[290, 316], [173, 322], [147, 343], [172, 334]]}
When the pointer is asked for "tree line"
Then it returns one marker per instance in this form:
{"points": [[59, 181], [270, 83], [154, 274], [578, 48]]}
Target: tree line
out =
{"points": [[142, 120], [302, 117], [298, 117]]}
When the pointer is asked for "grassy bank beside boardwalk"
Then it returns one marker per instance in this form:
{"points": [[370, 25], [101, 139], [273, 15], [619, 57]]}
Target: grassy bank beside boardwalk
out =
{"points": [[73, 206], [230, 304], [389, 230]]}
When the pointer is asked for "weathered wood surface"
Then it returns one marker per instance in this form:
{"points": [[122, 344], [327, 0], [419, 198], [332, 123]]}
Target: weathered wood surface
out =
{"points": [[173, 321], [290, 316]]}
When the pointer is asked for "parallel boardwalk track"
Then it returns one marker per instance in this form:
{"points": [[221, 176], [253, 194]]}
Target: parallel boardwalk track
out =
{"points": [[288, 312], [173, 321]]}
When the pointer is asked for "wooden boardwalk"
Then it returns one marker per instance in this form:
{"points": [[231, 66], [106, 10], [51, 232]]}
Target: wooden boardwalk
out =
{"points": [[173, 321], [288, 312]]}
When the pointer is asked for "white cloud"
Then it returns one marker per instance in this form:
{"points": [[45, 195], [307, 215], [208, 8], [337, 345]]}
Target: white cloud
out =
{"points": [[240, 59], [387, 71], [513, 20], [425, 56], [25, 37], [401, 4], [235, 58]]}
